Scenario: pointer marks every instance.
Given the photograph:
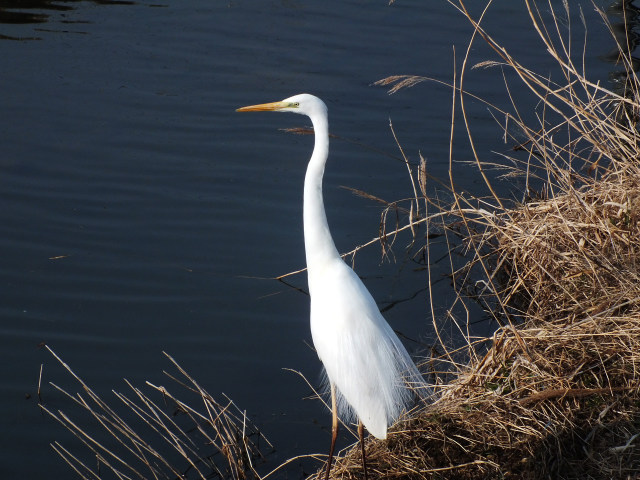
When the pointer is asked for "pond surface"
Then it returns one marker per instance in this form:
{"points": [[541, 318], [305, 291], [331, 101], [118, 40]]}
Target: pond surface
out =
{"points": [[141, 214]]}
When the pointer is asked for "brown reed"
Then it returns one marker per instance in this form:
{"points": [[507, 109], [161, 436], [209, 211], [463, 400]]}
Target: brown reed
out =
{"points": [[557, 394]]}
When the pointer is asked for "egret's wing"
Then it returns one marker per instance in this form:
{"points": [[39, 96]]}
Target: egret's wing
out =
{"points": [[362, 355]]}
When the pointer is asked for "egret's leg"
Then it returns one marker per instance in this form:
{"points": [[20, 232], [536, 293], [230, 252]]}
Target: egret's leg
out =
{"points": [[334, 428], [364, 459]]}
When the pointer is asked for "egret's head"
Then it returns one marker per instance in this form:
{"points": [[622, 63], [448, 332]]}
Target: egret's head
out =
{"points": [[304, 104]]}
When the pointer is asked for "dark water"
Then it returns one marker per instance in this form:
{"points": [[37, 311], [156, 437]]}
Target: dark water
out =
{"points": [[138, 211]]}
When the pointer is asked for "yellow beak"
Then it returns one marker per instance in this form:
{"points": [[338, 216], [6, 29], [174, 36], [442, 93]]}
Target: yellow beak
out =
{"points": [[263, 107]]}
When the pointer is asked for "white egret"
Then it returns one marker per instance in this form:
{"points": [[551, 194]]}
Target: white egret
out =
{"points": [[370, 372]]}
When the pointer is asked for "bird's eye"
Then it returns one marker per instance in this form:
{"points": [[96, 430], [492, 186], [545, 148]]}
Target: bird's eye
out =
{"points": [[295, 104]]}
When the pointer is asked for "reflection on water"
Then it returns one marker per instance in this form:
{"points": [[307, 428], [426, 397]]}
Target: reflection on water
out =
{"points": [[18, 12], [624, 17]]}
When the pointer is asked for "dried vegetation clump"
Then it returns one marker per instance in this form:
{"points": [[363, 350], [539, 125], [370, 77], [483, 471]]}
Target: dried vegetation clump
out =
{"points": [[578, 252], [557, 393], [566, 406]]}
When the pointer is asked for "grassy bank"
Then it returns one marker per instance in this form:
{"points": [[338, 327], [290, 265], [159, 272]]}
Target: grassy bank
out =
{"points": [[557, 395]]}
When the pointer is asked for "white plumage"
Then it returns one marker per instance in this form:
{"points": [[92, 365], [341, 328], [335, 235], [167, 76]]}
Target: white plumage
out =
{"points": [[363, 358], [362, 355]]}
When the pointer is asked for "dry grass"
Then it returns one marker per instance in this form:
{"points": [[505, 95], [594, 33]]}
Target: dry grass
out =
{"points": [[157, 434], [557, 395], [567, 407]]}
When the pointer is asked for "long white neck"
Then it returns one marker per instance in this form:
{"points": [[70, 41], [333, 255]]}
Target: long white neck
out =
{"points": [[318, 243]]}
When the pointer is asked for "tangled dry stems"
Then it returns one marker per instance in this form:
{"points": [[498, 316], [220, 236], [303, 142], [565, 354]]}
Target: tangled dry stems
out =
{"points": [[578, 252], [567, 407], [557, 395], [175, 432]]}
